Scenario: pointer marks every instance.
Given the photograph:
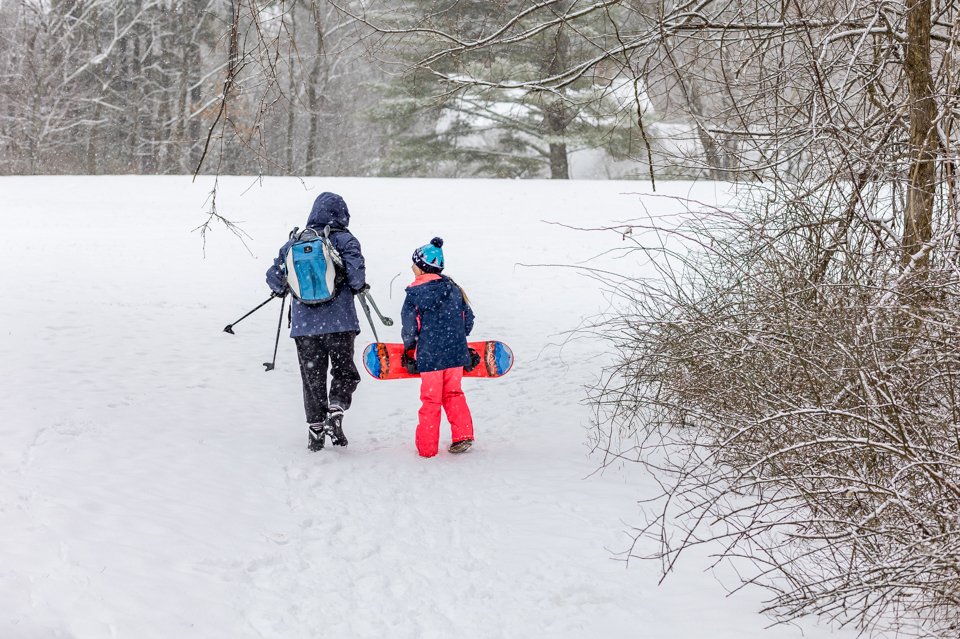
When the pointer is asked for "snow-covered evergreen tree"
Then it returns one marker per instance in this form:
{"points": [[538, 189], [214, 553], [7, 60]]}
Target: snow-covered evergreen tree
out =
{"points": [[444, 121]]}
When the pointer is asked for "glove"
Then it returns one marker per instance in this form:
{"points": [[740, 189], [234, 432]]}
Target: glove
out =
{"points": [[474, 360], [409, 362], [277, 280], [362, 289]]}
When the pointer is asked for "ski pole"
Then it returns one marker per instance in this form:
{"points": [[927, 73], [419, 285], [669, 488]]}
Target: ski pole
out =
{"points": [[366, 311], [386, 320], [229, 327], [270, 365]]}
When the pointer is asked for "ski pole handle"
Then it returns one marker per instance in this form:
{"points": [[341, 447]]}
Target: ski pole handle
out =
{"points": [[386, 320]]}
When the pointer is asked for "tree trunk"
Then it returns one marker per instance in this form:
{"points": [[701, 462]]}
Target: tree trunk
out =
{"points": [[918, 217], [179, 143], [291, 91], [556, 120], [711, 149], [556, 114], [313, 96], [559, 166], [196, 97], [90, 167]]}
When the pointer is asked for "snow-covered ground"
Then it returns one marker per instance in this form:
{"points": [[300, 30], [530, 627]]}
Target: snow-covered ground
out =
{"points": [[155, 480]]}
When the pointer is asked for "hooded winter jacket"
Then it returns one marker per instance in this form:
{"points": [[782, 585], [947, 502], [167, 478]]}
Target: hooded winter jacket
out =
{"points": [[339, 315], [436, 321]]}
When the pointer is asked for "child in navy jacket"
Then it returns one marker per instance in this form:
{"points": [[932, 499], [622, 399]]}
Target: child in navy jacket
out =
{"points": [[436, 319]]}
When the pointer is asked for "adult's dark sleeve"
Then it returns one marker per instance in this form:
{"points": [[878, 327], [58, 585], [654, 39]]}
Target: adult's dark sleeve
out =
{"points": [[354, 264], [276, 279]]}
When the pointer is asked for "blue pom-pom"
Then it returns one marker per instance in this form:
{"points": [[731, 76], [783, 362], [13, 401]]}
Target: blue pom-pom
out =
{"points": [[437, 241]]}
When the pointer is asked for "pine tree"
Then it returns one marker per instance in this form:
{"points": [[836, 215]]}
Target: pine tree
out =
{"points": [[443, 125]]}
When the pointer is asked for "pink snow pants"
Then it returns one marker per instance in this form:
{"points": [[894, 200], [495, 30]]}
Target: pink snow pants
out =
{"points": [[442, 389]]}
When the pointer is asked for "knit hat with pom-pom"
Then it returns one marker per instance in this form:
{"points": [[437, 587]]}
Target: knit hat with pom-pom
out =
{"points": [[429, 258]]}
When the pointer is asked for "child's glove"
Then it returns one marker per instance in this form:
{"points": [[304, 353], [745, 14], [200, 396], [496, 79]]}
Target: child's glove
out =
{"points": [[474, 360], [409, 362]]}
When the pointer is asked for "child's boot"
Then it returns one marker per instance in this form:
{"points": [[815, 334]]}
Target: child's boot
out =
{"points": [[461, 446]]}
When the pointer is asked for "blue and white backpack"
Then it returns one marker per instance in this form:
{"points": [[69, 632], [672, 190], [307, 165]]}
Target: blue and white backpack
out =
{"points": [[313, 267]]}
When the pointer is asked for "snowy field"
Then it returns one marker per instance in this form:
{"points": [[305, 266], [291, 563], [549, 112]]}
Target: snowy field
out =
{"points": [[156, 482]]}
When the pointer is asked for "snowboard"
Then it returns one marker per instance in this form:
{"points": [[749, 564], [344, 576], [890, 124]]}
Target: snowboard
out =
{"points": [[382, 360]]}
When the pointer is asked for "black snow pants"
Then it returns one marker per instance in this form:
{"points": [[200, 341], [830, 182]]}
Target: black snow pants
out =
{"points": [[316, 353]]}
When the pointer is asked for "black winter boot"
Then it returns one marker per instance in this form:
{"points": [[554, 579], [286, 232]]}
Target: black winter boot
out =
{"points": [[317, 432], [334, 426]]}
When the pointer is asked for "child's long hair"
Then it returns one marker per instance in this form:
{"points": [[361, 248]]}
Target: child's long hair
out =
{"points": [[462, 292]]}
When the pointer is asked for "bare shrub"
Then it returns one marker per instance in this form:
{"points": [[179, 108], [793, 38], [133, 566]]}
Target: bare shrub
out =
{"points": [[794, 391]]}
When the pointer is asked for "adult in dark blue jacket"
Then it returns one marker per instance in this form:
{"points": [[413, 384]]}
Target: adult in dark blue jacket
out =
{"points": [[325, 333], [437, 318]]}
